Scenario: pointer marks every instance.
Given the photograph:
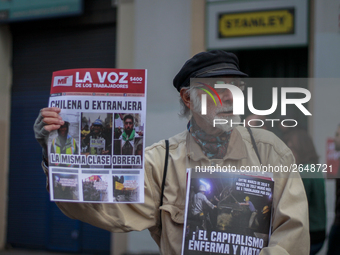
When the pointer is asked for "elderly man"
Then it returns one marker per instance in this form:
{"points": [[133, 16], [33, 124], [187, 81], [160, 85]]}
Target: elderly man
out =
{"points": [[204, 145]]}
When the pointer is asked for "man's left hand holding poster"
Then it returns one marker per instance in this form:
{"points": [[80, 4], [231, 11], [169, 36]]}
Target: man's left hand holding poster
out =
{"points": [[96, 122]]}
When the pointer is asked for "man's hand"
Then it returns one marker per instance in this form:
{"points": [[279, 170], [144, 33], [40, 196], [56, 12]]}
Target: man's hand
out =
{"points": [[47, 121], [51, 119]]}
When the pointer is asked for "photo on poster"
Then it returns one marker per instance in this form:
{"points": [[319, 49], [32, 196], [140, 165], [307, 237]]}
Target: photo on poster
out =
{"points": [[63, 144], [128, 140], [230, 215], [96, 138], [95, 187], [65, 186], [125, 188]]}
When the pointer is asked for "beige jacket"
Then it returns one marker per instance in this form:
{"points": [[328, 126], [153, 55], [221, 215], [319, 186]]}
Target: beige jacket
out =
{"points": [[290, 218]]}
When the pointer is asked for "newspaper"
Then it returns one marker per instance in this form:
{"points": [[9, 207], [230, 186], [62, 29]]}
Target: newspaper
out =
{"points": [[98, 154], [227, 213]]}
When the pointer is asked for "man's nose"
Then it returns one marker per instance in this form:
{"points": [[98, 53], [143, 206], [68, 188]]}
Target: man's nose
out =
{"points": [[226, 96]]}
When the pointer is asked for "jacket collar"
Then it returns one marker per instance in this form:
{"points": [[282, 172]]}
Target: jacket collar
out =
{"points": [[236, 148]]}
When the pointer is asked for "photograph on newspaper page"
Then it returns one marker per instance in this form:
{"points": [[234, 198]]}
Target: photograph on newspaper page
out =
{"points": [[97, 155], [227, 213]]}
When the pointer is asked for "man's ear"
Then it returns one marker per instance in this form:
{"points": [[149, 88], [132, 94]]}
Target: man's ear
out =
{"points": [[185, 97]]}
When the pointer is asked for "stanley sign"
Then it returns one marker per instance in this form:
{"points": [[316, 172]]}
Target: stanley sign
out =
{"points": [[268, 22]]}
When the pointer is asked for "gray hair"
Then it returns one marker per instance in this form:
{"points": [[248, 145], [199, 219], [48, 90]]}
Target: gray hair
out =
{"points": [[185, 111]]}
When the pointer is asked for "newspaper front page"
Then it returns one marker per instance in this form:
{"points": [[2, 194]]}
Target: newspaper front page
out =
{"points": [[98, 154]]}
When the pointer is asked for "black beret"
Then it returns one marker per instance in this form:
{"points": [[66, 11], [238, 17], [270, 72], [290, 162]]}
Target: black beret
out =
{"points": [[208, 64]]}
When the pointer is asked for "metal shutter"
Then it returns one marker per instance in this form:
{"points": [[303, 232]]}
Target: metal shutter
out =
{"points": [[33, 221]]}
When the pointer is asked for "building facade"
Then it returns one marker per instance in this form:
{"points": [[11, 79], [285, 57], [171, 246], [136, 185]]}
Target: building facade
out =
{"points": [[160, 36]]}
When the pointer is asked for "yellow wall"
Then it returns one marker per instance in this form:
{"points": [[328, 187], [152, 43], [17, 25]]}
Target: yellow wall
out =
{"points": [[197, 26]]}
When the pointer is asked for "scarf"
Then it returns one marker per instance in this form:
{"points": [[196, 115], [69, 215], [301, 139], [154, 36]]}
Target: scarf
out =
{"points": [[211, 145], [130, 138]]}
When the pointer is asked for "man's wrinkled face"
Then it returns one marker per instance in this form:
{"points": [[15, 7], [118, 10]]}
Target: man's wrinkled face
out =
{"points": [[128, 125], [214, 109]]}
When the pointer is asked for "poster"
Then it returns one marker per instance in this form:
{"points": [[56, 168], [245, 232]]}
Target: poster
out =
{"points": [[97, 155], [227, 214]]}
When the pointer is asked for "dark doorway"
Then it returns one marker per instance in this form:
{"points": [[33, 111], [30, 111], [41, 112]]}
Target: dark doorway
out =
{"points": [[290, 64], [39, 48]]}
